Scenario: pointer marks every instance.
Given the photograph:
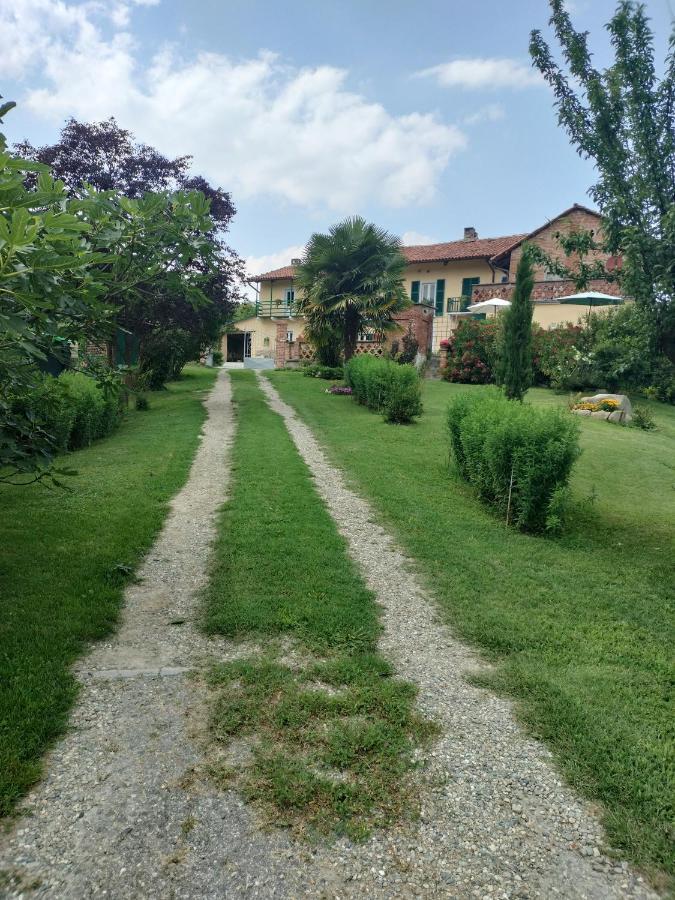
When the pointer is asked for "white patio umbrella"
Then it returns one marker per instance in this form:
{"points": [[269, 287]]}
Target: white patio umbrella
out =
{"points": [[590, 298], [484, 305]]}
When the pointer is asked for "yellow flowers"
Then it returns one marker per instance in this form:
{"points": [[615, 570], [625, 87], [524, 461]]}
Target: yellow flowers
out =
{"points": [[599, 406]]}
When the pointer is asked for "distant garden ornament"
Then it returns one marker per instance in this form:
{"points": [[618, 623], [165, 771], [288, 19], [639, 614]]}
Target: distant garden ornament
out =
{"points": [[612, 407]]}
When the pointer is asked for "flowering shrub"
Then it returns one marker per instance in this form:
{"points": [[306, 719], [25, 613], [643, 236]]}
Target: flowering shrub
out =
{"points": [[471, 352], [598, 406], [338, 389]]}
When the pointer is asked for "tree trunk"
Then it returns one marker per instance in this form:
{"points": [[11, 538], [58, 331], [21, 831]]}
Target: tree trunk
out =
{"points": [[351, 332]]}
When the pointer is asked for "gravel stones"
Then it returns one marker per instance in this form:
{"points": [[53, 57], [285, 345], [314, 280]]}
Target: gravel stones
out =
{"points": [[127, 808]]}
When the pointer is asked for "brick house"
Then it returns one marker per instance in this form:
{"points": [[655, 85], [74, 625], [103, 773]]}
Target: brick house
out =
{"points": [[441, 281]]}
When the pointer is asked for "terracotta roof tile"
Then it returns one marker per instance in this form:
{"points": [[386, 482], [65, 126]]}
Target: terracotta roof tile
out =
{"points": [[481, 248]]}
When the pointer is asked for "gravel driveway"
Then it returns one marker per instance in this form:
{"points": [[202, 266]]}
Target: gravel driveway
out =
{"points": [[127, 809]]}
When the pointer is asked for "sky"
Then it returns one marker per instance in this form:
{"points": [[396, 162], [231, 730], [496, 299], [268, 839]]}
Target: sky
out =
{"points": [[423, 117]]}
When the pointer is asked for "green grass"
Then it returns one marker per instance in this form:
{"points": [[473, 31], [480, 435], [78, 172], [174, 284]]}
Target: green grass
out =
{"points": [[332, 732], [580, 627], [64, 559]]}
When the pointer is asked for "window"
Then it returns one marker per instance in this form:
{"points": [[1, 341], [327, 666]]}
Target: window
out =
{"points": [[290, 295], [367, 336], [289, 337], [551, 276], [266, 342], [428, 292]]}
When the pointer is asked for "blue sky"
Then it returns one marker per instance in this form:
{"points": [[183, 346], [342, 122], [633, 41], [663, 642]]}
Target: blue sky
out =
{"points": [[423, 117]]}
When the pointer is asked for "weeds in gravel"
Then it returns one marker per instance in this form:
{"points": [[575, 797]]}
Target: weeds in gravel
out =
{"points": [[334, 732], [580, 628], [65, 558]]}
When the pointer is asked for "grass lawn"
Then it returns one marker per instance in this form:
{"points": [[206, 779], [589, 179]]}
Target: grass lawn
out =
{"points": [[332, 732], [64, 559], [580, 627]]}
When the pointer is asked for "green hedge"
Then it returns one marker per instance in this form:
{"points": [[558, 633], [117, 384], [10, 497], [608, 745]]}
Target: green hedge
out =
{"points": [[385, 386], [316, 370], [505, 448], [72, 410]]}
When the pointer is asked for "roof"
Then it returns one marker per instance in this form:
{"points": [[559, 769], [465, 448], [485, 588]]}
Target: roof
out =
{"points": [[481, 248], [524, 237]]}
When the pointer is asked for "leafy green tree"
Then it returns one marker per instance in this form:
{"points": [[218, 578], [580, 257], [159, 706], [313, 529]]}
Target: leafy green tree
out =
{"points": [[515, 361], [351, 279], [622, 118]]}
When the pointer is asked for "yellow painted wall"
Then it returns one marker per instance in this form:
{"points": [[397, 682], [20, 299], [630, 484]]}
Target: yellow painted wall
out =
{"points": [[275, 290], [262, 328], [453, 272], [548, 314]]}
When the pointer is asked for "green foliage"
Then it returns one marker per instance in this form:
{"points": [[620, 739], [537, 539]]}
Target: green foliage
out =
{"points": [[96, 415], [218, 358], [519, 458], [621, 118], [71, 411], [471, 352], [614, 350], [330, 373], [72, 265], [350, 281], [385, 386], [410, 347], [165, 353], [643, 418], [515, 346]]}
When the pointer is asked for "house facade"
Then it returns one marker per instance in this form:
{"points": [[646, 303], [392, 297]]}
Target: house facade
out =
{"points": [[442, 280]]}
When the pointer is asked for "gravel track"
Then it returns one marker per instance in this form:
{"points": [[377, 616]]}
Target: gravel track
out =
{"points": [[497, 819], [127, 809]]}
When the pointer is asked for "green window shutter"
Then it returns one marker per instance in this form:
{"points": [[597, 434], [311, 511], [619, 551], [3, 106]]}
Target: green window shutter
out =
{"points": [[440, 296], [467, 285], [415, 292]]}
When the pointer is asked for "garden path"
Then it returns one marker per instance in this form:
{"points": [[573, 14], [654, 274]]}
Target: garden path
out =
{"points": [[128, 810]]}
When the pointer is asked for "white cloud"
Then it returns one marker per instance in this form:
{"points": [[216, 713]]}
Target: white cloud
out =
{"points": [[411, 238], [493, 112], [256, 126], [485, 73]]}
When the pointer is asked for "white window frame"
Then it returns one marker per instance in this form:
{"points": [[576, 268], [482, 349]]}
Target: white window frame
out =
{"points": [[428, 287], [290, 295], [289, 337]]}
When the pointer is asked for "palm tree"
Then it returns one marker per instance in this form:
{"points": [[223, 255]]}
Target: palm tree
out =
{"points": [[351, 279]]}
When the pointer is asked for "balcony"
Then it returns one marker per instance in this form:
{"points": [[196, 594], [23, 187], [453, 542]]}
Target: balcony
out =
{"points": [[280, 309], [457, 305]]}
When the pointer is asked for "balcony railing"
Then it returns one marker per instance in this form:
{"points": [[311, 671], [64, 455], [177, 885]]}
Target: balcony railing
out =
{"points": [[457, 304], [281, 309]]}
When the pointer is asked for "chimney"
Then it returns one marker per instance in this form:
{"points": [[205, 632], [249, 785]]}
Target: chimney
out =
{"points": [[470, 233], [296, 261]]}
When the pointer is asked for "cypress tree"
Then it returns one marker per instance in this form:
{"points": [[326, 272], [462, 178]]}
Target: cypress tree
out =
{"points": [[516, 343]]}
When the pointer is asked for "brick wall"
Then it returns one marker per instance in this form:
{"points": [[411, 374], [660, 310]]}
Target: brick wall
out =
{"points": [[576, 220], [422, 320], [543, 290]]}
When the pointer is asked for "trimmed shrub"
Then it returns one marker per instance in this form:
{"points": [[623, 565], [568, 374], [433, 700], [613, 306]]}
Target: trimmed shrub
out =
{"points": [[316, 370], [385, 386], [217, 357], [71, 411], [95, 414], [519, 458]]}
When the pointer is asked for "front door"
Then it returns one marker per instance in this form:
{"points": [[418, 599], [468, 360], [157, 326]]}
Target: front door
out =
{"points": [[236, 346]]}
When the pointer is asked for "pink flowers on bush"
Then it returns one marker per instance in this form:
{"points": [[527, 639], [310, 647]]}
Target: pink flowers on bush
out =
{"points": [[338, 389]]}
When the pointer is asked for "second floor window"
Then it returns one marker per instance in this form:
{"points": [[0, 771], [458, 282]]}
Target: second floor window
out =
{"points": [[290, 295], [428, 292], [289, 337]]}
